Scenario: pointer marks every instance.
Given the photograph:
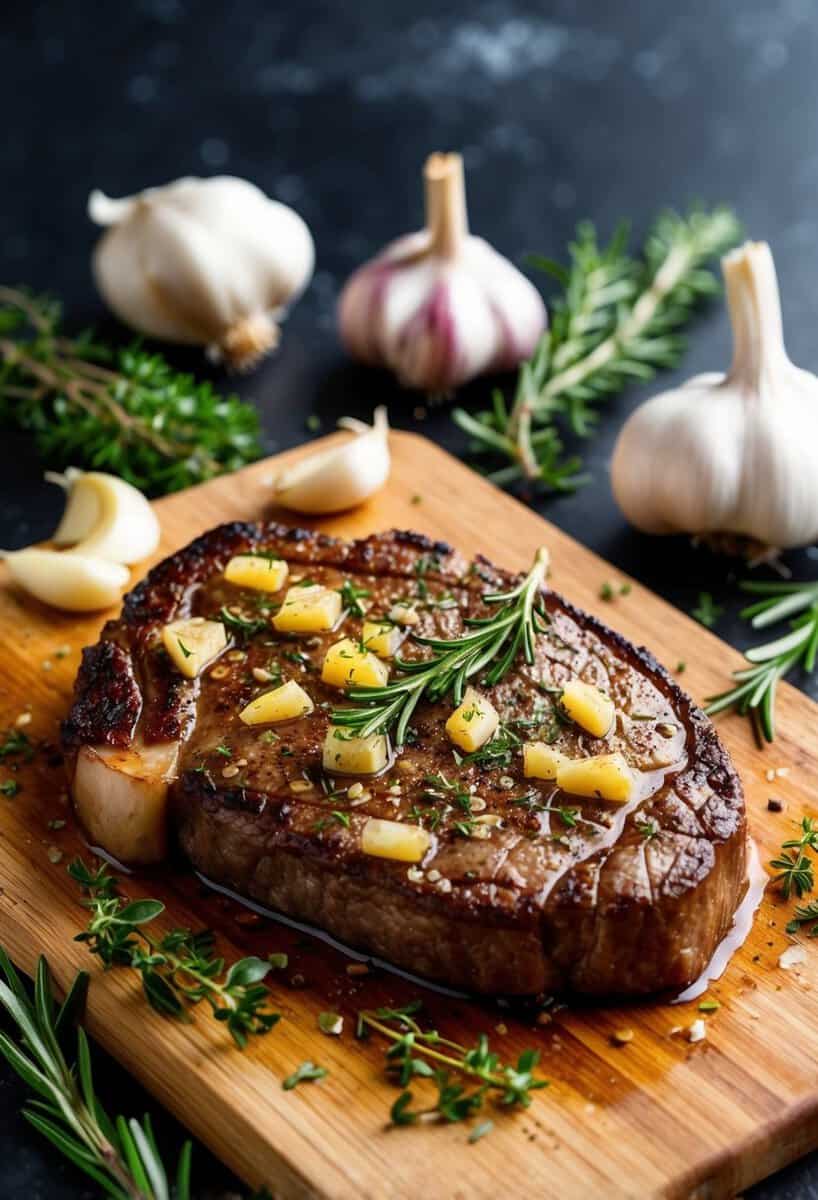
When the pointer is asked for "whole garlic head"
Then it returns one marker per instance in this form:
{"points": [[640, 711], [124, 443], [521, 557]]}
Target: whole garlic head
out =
{"points": [[441, 306], [732, 454], [210, 262]]}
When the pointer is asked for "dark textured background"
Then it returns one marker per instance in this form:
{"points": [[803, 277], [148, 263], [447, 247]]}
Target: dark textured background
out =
{"points": [[562, 110]]}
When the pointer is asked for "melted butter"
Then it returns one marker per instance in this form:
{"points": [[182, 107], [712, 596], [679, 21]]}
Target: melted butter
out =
{"points": [[739, 931]]}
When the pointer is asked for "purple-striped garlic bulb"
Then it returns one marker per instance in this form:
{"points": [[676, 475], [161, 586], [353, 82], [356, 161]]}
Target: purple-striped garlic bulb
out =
{"points": [[441, 306]]}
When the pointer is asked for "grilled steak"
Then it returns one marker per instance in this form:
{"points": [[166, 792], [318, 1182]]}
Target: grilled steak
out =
{"points": [[523, 888]]}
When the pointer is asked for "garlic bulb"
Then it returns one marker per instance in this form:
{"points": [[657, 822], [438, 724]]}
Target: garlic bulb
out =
{"points": [[441, 306], [73, 582], [105, 517], [733, 454], [343, 476], [211, 262]]}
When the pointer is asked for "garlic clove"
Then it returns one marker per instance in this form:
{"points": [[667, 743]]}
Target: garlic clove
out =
{"points": [[333, 480], [105, 517], [73, 582], [441, 306], [210, 262], [733, 454]]}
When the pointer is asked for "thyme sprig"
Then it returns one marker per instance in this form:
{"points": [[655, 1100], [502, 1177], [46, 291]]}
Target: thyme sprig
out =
{"points": [[795, 870], [489, 644], [124, 410], [616, 319], [755, 688], [414, 1050], [178, 968], [805, 914], [120, 1155]]}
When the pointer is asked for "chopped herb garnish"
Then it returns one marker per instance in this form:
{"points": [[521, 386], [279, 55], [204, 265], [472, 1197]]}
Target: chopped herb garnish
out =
{"points": [[223, 750], [187, 653], [15, 742], [243, 627], [707, 612], [606, 592], [9, 787], [351, 597], [680, 666], [306, 1073], [313, 422], [648, 829]]}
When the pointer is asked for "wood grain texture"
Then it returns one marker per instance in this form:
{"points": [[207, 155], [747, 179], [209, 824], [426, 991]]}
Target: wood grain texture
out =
{"points": [[656, 1118]]}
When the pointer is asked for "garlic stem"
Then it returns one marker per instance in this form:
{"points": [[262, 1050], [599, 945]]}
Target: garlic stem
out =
{"points": [[446, 216], [755, 311]]}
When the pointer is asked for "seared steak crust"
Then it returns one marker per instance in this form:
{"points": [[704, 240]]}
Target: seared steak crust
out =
{"points": [[600, 900]]}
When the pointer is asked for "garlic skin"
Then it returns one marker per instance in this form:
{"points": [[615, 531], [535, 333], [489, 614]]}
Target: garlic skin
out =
{"points": [[441, 306], [105, 517], [733, 454], [342, 477], [72, 582], [210, 262]]}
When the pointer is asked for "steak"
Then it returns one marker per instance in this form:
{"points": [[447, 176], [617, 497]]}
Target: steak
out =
{"points": [[546, 893]]}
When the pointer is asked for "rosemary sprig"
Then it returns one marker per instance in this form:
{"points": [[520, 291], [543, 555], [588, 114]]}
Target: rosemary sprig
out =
{"points": [[616, 319], [120, 1155], [178, 968], [414, 1049], [795, 870], [755, 688], [121, 410], [491, 642]]}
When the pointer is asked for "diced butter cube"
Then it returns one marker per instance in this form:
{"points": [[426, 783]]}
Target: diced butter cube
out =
{"points": [[348, 754], [193, 642], [392, 839], [347, 665], [473, 723], [313, 609], [283, 703], [589, 707], [382, 638], [604, 776], [261, 572], [541, 761]]}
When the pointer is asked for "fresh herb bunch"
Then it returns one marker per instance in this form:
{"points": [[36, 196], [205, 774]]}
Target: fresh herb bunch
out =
{"points": [[178, 968], [123, 410], [490, 643], [616, 319], [795, 870], [755, 688], [120, 1155], [414, 1049]]}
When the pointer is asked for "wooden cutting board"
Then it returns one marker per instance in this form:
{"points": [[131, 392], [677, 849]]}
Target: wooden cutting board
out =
{"points": [[657, 1117]]}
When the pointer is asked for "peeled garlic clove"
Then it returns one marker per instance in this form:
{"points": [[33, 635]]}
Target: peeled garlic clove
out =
{"points": [[343, 476], [441, 306], [211, 262], [105, 517], [733, 454], [73, 582]]}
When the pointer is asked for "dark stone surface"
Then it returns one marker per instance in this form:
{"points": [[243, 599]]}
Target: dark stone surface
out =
{"points": [[563, 111]]}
